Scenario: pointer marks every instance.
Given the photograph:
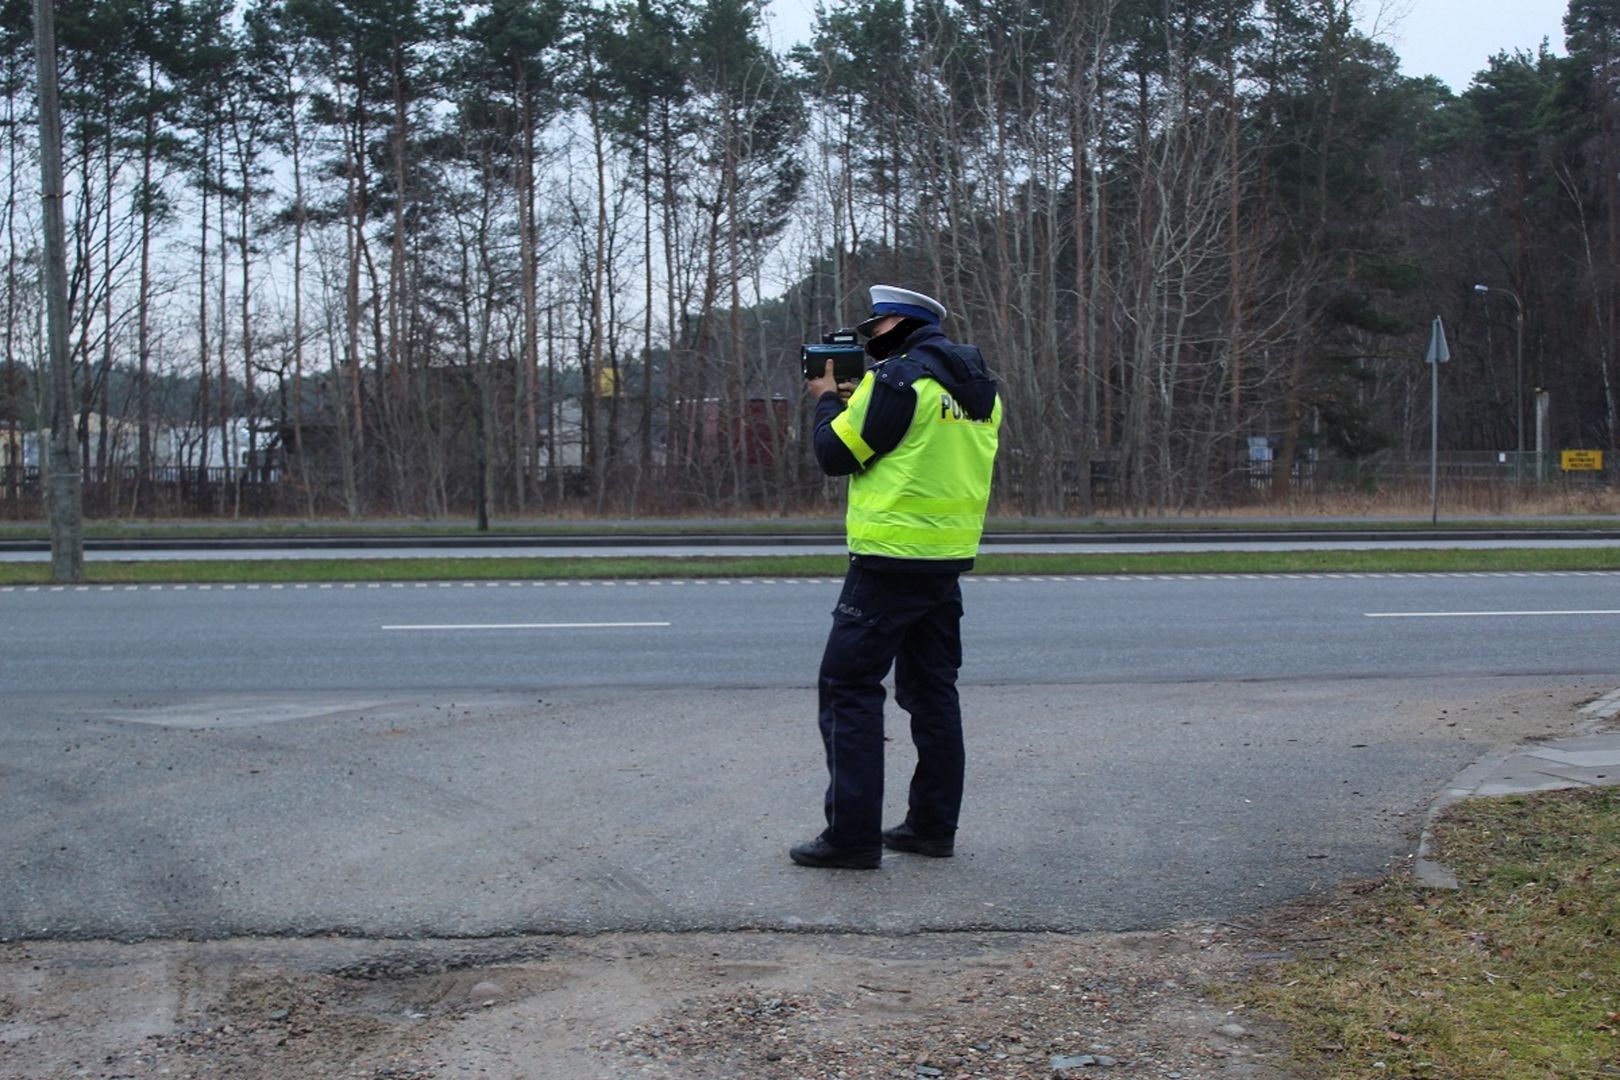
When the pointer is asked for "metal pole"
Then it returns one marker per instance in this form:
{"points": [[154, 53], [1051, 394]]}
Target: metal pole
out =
{"points": [[1518, 374], [1543, 401], [1518, 387], [66, 491], [1434, 443]]}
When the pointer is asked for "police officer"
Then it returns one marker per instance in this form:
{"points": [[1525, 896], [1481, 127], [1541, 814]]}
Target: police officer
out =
{"points": [[917, 439]]}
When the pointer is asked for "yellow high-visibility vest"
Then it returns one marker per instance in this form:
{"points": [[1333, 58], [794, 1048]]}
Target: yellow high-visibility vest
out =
{"points": [[926, 498]]}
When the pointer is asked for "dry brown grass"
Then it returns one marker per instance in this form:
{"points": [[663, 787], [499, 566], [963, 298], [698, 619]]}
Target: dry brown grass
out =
{"points": [[1457, 500], [1516, 976]]}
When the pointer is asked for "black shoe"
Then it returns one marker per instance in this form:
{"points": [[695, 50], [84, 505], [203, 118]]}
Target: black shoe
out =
{"points": [[901, 838], [821, 854]]}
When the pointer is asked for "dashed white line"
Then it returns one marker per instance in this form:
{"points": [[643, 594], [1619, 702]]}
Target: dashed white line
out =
{"points": [[1479, 614], [529, 626]]}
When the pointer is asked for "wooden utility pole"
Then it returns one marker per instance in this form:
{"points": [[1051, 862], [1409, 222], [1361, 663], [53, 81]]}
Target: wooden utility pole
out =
{"points": [[65, 491]]}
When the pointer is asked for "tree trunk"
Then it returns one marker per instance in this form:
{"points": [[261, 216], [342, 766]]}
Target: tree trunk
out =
{"points": [[1235, 344], [677, 448], [101, 388], [11, 460], [300, 219], [597, 454], [143, 338], [740, 437], [529, 379], [205, 362], [66, 493], [244, 151], [227, 431], [354, 206], [647, 320]]}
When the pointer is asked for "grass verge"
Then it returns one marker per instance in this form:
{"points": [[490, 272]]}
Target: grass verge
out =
{"points": [[280, 529], [524, 569], [1517, 975]]}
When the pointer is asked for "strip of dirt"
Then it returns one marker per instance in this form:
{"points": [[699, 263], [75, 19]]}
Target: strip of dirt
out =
{"points": [[678, 1006]]}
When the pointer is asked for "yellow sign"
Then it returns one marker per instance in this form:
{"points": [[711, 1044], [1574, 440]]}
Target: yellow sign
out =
{"points": [[1581, 460]]}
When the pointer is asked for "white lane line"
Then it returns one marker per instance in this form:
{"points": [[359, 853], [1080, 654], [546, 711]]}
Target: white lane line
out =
{"points": [[527, 626], [1478, 614]]}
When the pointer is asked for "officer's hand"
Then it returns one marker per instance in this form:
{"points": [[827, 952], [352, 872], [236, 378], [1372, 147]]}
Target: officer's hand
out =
{"points": [[823, 383], [845, 389]]}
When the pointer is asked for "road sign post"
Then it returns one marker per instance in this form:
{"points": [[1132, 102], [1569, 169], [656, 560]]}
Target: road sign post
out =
{"points": [[1438, 354]]}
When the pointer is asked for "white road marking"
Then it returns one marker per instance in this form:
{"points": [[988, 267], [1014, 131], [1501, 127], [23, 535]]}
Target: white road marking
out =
{"points": [[1604, 707], [1477, 614], [528, 626]]}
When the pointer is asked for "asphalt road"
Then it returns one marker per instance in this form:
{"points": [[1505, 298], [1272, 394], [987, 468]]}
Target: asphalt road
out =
{"points": [[493, 759], [705, 634]]}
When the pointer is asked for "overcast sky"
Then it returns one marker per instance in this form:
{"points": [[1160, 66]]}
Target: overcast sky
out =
{"points": [[1453, 39], [1449, 38]]}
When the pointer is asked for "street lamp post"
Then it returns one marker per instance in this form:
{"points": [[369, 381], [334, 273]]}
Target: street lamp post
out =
{"points": [[1518, 377]]}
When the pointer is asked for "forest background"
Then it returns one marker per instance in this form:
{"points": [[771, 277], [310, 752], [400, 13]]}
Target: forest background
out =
{"points": [[407, 257]]}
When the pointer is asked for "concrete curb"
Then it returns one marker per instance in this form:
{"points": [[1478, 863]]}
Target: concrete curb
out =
{"points": [[1590, 758]]}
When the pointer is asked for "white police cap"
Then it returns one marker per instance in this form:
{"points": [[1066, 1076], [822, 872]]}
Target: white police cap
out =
{"points": [[890, 300]]}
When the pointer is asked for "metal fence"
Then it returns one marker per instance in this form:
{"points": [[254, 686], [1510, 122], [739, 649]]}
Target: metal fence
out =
{"points": [[165, 490], [267, 491], [1465, 467]]}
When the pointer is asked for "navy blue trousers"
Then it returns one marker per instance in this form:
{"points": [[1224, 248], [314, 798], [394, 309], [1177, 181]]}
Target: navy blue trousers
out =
{"points": [[911, 622]]}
